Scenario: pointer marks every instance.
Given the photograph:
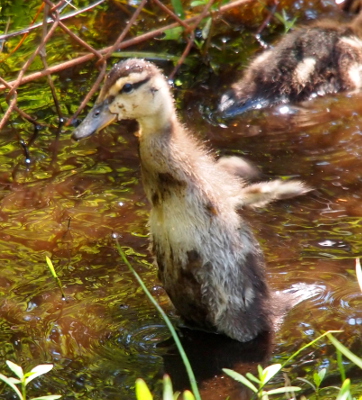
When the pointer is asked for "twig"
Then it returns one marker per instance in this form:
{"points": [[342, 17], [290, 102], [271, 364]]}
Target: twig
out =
{"points": [[123, 45], [172, 14], [126, 30], [42, 54], [190, 42], [49, 21], [10, 109], [17, 109], [191, 39], [89, 94], [16, 84]]}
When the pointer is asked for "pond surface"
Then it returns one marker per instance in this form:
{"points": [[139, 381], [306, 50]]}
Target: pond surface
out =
{"points": [[73, 197]]}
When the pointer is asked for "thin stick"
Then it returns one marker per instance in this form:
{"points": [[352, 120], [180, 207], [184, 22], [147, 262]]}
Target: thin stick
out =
{"points": [[172, 14], [50, 21], [123, 45], [42, 55]]}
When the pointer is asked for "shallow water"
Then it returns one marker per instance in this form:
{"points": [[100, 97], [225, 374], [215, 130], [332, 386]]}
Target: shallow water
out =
{"points": [[73, 197]]}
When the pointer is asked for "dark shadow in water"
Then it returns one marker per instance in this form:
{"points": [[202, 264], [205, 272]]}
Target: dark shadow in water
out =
{"points": [[208, 354]]}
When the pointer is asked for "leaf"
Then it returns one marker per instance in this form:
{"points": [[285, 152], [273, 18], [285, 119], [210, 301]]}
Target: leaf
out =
{"points": [[10, 383], [251, 377], [269, 372], [187, 395], [307, 382], [49, 397], [18, 371], [206, 29], [284, 389], [51, 266], [178, 8], [142, 391], [167, 388], [345, 391], [343, 349], [240, 378], [197, 3], [173, 33], [37, 371], [359, 273], [319, 376]]}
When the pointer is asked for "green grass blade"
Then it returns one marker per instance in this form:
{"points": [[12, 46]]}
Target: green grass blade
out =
{"points": [[51, 267], [284, 389], [142, 391], [185, 360], [9, 382], [178, 8], [343, 349], [308, 345], [240, 378], [55, 276], [345, 392], [341, 366]]}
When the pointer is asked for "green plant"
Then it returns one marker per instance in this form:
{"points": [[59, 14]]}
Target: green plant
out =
{"points": [[143, 393], [23, 379], [266, 374], [54, 274], [284, 19], [264, 377]]}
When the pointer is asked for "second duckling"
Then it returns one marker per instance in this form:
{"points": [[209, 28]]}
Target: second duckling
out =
{"points": [[325, 57], [208, 260]]}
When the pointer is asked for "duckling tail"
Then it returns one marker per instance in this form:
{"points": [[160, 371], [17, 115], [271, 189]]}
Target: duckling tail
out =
{"points": [[262, 193]]}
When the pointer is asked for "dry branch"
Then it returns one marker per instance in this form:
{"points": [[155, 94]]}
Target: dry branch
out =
{"points": [[127, 43], [189, 26]]}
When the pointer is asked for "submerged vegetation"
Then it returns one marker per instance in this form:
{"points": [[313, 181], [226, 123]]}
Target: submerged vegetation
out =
{"points": [[66, 201]]}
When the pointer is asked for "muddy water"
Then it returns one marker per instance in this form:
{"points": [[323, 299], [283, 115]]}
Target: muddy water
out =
{"points": [[73, 197]]}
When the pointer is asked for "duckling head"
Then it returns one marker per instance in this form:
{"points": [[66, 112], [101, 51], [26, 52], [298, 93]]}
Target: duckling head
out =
{"points": [[133, 89]]}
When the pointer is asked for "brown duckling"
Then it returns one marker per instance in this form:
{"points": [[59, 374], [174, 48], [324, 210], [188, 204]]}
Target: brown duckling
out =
{"points": [[324, 57], [209, 262]]}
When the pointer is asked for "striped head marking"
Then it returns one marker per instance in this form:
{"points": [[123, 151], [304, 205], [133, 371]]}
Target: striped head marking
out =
{"points": [[133, 89]]}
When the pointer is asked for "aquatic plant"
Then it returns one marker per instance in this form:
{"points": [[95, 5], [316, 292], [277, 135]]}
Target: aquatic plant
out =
{"points": [[266, 374], [24, 378], [143, 392]]}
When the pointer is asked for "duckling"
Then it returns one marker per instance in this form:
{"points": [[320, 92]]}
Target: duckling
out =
{"points": [[208, 260], [322, 58]]}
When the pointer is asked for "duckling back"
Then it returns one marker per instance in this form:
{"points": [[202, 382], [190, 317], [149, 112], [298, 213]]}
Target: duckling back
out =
{"points": [[315, 60]]}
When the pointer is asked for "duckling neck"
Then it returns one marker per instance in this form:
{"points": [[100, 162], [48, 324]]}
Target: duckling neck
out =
{"points": [[170, 150], [159, 122]]}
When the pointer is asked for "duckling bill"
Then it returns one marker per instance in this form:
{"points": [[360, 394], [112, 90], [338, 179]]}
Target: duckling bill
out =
{"points": [[208, 260], [322, 58]]}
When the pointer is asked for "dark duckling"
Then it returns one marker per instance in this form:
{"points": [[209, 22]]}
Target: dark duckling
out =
{"points": [[209, 262], [324, 57]]}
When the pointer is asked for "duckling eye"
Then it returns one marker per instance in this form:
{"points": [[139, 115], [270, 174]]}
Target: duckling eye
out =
{"points": [[127, 88]]}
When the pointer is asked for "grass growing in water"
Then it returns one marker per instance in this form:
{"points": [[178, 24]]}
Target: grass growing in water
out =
{"points": [[24, 378]]}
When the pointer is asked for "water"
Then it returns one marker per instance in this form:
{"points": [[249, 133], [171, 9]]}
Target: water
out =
{"points": [[73, 198]]}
